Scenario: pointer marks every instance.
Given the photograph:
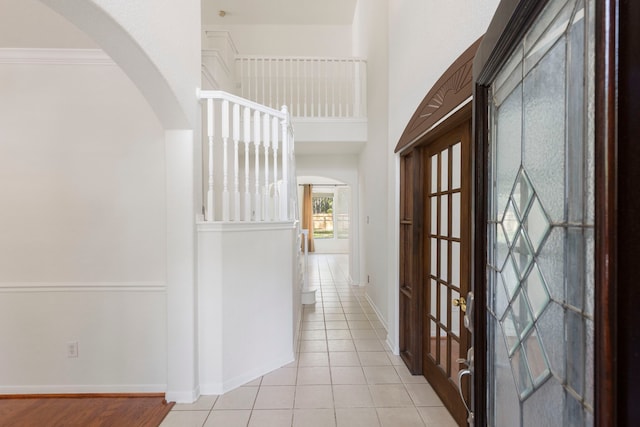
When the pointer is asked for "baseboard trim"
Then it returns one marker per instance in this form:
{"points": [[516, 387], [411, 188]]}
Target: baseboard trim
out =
{"points": [[78, 395], [41, 390]]}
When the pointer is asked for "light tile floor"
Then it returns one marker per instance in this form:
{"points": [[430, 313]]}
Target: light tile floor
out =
{"points": [[343, 375]]}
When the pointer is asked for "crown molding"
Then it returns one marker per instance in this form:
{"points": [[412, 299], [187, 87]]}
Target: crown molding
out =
{"points": [[54, 56]]}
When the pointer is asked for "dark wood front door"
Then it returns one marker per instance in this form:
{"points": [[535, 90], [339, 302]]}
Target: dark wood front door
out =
{"points": [[446, 265]]}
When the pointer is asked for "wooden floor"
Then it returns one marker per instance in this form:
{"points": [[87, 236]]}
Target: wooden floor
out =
{"points": [[85, 411]]}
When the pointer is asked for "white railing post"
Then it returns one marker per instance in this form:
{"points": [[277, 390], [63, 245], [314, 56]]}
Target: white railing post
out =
{"points": [[284, 197], [210, 191], [276, 190], [225, 160], [247, 142], [265, 189], [257, 206], [236, 172]]}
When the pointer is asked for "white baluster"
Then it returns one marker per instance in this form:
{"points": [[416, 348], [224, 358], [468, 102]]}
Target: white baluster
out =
{"points": [[257, 206], [277, 82], [247, 142], [305, 87], [265, 189], [284, 197], [313, 73], [236, 177], [276, 190], [326, 88], [225, 162], [298, 83], [210, 192]]}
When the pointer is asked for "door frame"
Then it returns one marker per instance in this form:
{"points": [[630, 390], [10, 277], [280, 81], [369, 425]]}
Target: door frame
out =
{"points": [[617, 199], [446, 106]]}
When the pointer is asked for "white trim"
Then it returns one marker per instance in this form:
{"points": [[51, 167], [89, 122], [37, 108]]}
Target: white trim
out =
{"points": [[54, 56], [188, 396], [83, 388], [10, 287], [219, 226]]}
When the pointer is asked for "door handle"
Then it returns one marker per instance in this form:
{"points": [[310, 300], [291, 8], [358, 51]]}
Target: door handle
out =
{"points": [[460, 302], [462, 373]]}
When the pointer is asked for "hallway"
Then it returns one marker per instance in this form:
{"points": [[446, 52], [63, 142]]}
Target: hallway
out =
{"points": [[342, 376]]}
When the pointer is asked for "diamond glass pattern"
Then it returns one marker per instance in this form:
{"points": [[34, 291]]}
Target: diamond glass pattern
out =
{"points": [[510, 222], [521, 373], [522, 192], [521, 253], [536, 290], [509, 277], [502, 248], [509, 331], [522, 318], [536, 359], [536, 224]]}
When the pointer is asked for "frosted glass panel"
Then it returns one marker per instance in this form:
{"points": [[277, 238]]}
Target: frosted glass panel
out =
{"points": [[443, 260], [444, 304], [455, 215], [456, 164], [434, 215], [509, 137], [444, 170], [444, 215], [433, 298], [544, 144], [455, 264], [434, 174]]}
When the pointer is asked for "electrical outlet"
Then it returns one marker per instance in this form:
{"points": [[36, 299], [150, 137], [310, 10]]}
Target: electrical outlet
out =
{"points": [[72, 349]]}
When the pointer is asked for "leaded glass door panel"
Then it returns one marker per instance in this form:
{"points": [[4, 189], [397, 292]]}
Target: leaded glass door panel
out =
{"points": [[540, 224]]}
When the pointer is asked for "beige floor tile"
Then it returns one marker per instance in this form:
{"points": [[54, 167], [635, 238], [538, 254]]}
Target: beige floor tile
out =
{"points": [[357, 417], [374, 358], [356, 316], [381, 333], [314, 375], [204, 403], [390, 396], [395, 359], [228, 418], [282, 376], [407, 377], [313, 359], [381, 375], [341, 345], [333, 310], [240, 398], [314, 396], [359, 324], [423, 395], [337, 324], [313, 346], [330, 303], [395, 417], [275, 397], [185, 419], [343, 358], [347, 375], [352, 396], [317, 334], [312, 326], [313, 316], [436, 416], [334, 316], [364, 334], [368, 345], [293, 364], [352, 310], [314, 418], [271, 418], [338, 334]]}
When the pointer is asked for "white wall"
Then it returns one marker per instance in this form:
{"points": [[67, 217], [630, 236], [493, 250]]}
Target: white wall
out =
{"points": [[82, 253], [292, 40], [370, 41]]}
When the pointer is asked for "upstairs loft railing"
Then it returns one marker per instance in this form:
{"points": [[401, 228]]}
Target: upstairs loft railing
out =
{"points": [[248, 161], [312, 87]]}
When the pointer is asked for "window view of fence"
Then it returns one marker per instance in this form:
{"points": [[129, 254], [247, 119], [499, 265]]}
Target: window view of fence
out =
{"points": [[331, 213]]}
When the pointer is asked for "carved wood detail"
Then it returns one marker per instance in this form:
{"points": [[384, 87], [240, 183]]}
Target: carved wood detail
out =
{"points": [[451, 89]]}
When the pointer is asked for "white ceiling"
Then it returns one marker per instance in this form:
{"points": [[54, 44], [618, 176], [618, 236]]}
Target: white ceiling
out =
{"points": [[278, 12]]}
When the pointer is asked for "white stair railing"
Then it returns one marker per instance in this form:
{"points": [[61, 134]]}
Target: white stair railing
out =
{"points": [[313, 87], [254, 191]]}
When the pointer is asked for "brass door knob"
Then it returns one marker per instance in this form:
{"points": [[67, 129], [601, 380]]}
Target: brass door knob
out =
{"points": [[460, 302]]}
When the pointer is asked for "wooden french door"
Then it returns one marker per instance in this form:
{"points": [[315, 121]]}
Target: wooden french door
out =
{"points": [[446, 265]]}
